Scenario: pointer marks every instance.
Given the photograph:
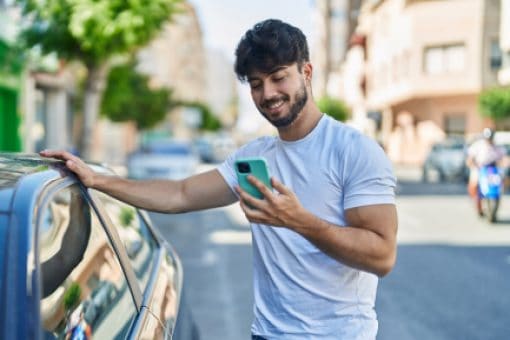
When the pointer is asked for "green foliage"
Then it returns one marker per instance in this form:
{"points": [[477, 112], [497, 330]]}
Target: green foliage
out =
{"points": [[127, 97], [209, 120], [495, 103], [93, 30], [72, 296], [334, 108], [126, 216], [12, 58]]}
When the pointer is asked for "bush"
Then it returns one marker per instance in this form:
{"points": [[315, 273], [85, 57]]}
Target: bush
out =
{"points": [[72, 296], [334, 108], [495, 103]]}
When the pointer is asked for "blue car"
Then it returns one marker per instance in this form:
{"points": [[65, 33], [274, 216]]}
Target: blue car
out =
{"points": [[78, 264]]}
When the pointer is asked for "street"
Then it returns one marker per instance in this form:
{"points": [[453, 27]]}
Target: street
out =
{"points": [[450, 280]]}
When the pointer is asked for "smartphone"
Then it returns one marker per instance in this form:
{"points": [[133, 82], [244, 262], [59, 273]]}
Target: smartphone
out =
{"points": [[257, 167]]}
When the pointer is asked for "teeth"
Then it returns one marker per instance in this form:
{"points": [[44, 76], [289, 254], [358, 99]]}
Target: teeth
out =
{"points": [[275, 105]]}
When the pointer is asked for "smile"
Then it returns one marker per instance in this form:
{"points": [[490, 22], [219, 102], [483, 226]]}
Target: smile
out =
{"points": [[276, 105]]}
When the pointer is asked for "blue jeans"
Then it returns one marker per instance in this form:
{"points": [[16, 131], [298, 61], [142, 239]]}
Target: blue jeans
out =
{"points": [[257, 337]]}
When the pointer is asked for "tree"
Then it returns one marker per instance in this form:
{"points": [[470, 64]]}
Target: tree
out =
{"points": [[334, 108], [128, 97], [92, 31], [495, 103], [209, 121]]}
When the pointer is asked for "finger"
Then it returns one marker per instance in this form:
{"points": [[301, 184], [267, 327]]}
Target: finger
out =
{"points": [[282, 189], [250, 200], [58, 154], [266, 192], [251, 213]]}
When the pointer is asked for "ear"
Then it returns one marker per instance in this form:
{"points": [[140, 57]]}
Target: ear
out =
{"points": [[307, 71]]}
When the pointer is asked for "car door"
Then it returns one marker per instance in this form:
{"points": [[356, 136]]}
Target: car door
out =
{"points": [[157, 268], [87, 287]]}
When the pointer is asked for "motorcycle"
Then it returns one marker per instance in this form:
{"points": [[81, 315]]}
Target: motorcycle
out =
{"points": [[490, 188]]}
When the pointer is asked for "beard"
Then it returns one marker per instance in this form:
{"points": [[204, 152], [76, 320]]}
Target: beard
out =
{"points": [[300, 100]]}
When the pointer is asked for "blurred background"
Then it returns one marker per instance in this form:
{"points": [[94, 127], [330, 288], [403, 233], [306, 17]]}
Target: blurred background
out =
{"points": [[409, 73], [149, 88]]}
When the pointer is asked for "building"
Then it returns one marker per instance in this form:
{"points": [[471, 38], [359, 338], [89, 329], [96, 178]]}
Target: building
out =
{"points": [[176, 59], [335, 22], [426, 63], [221, 87], [504, 73]]}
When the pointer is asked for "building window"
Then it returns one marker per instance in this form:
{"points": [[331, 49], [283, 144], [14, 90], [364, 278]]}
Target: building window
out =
{"points": [[496, 56], [455, 124], [445, 59]]}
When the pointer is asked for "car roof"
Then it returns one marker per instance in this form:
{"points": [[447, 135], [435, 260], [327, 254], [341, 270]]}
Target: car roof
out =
{"points": [[13, 166]]}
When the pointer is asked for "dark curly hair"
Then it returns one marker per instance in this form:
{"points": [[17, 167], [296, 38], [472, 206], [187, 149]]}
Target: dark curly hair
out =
{"points": [[269, 44]]}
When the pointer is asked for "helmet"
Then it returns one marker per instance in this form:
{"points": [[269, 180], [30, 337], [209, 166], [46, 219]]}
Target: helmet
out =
{"points": [[488, 133]]}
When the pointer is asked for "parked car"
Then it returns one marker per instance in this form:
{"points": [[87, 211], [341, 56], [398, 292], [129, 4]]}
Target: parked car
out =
{"points": [[215, 148], [447, 159], [65, 270], [167, 159]]}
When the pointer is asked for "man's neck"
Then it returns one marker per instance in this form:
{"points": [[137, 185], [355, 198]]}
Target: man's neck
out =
{"points": [[306, 121]]}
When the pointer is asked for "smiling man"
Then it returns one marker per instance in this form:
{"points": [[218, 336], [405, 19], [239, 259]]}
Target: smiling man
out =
{"points": [[328, 229]]}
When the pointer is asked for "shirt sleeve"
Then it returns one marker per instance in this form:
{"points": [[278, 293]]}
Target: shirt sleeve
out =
{"points": [[226, 169], [368, 174]]}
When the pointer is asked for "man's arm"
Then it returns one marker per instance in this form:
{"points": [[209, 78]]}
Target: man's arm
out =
{"points": [[367, 243], [202, 191]]}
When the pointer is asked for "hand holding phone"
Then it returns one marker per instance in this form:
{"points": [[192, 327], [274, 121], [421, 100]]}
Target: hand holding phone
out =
{"points": [[256, 167]]}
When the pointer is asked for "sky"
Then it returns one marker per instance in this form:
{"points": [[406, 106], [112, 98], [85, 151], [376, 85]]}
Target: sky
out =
{"points": [[225, 21]]}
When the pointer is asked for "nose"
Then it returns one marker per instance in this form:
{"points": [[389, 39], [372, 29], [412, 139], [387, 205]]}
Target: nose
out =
{"points": [[269, 91]]}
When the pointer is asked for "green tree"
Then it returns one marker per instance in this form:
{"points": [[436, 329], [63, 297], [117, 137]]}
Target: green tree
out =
{"points": [[209, 121], [128, 97], [334, 108], [92, 31], [495, 103]]}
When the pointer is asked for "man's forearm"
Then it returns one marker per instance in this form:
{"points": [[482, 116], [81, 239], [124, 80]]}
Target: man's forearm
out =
{"points": [[154, 195], [356, 247]]}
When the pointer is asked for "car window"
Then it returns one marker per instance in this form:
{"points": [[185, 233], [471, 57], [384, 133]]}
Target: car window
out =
{"points": [[84, 292], [134, 233]]}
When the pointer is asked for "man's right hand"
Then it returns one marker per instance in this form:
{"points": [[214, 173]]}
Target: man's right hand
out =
{"points": [[86, 175]]}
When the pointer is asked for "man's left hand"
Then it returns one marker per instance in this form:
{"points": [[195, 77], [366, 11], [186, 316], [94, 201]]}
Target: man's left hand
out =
{"points": [[281, 208]]}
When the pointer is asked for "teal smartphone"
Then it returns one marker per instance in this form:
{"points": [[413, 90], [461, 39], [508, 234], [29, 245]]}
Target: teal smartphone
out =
{"points": [[257, 167]]}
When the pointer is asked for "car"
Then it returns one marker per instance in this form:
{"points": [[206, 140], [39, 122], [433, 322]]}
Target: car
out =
{"points": [[65, 269], [167, 159], [214, 148], [447, 159]]}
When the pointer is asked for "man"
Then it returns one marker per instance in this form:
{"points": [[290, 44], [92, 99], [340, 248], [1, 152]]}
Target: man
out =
{"points": [[481, 153], [329, 224]]}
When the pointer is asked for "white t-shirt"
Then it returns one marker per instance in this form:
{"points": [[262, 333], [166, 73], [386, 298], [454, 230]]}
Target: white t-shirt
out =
{"points": [[485, 153], [300, 292]]}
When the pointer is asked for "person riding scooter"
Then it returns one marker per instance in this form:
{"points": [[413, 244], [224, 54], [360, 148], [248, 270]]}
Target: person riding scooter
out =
{"points": [[482, 152]]}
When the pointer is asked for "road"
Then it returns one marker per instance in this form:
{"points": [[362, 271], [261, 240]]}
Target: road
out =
{"points": [[450, 281]]}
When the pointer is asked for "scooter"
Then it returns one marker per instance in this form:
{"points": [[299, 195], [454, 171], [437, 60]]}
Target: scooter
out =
{"points": [[490, 188]]}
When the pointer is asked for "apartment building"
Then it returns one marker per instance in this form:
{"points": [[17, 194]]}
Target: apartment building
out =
{"points": [[335, 21], [504, 73], [176, 59], [426, 62]]}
